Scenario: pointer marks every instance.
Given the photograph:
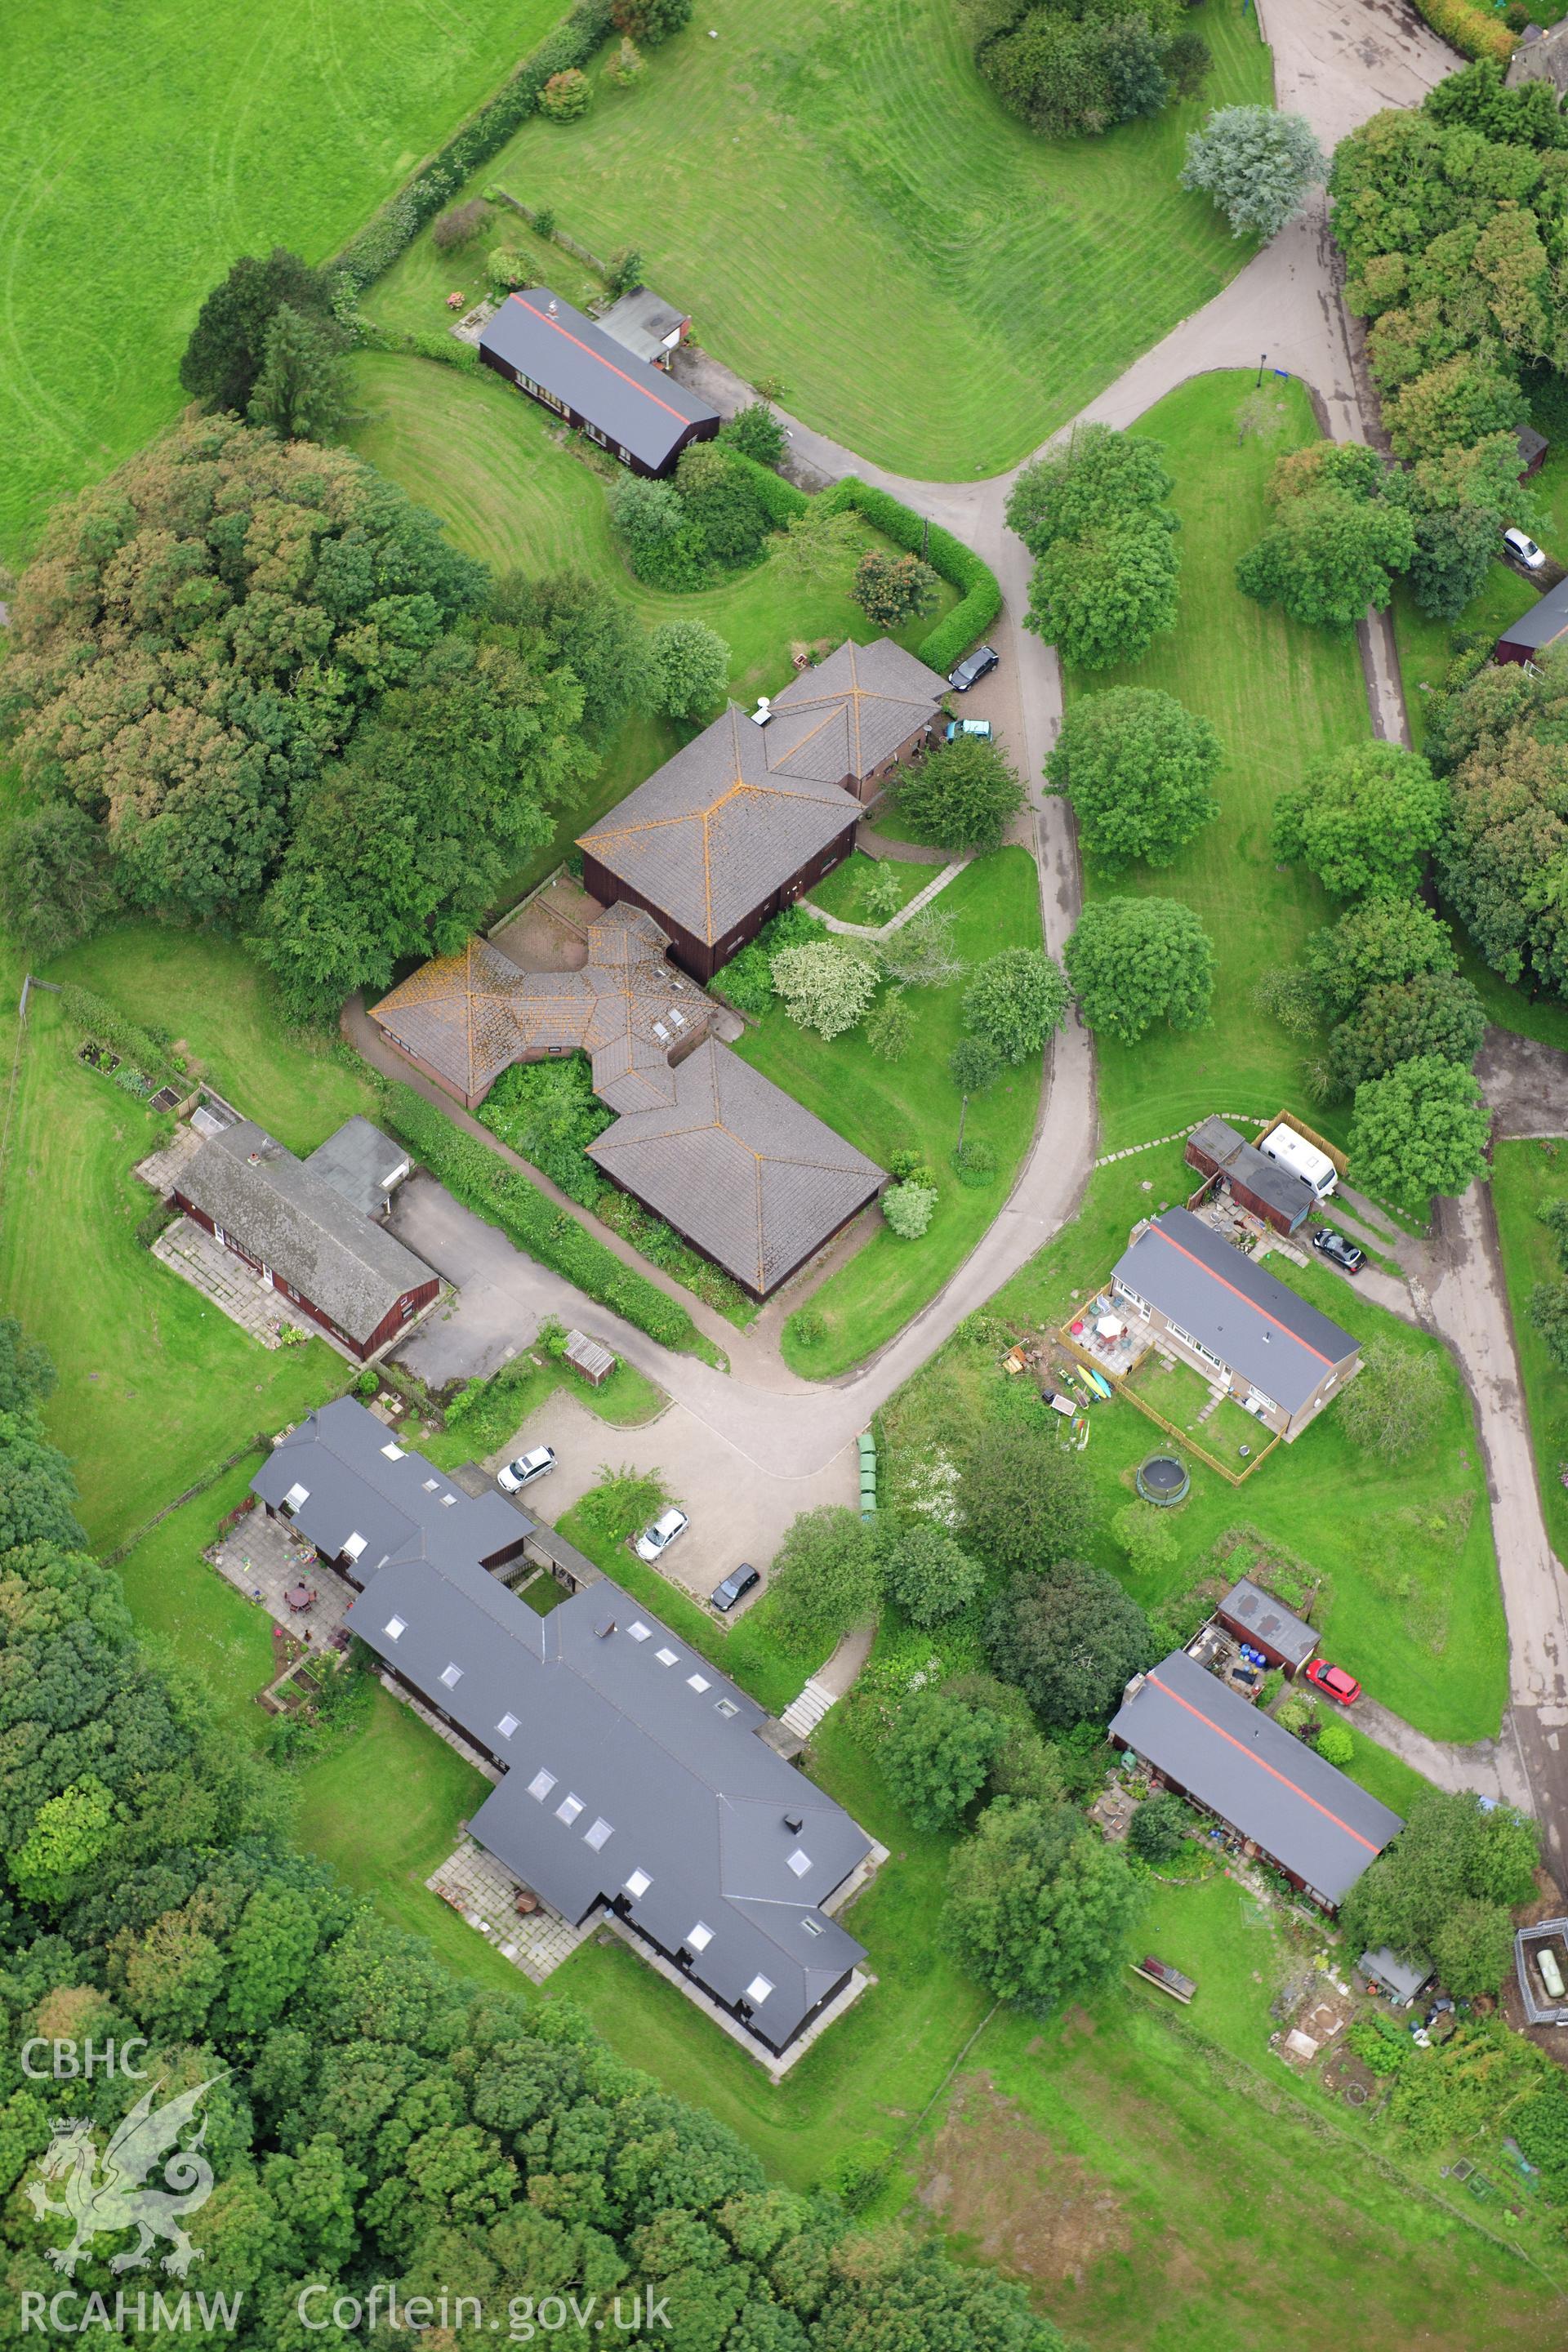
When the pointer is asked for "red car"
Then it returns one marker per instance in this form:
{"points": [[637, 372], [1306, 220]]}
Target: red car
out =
{"points": [[1333, 1682]]}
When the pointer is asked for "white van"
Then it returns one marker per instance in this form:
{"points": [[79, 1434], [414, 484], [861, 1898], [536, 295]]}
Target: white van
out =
{"points": [[1304, 1159]]}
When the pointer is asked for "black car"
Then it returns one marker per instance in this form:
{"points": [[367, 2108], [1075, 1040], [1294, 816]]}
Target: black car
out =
{"points": [[973, 668], [1335, 1246], [733, 1588]]}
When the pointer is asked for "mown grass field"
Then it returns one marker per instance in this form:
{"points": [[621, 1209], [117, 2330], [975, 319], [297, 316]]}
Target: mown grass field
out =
{"points": [[142, 149], [884, 1106], [1412, 1607], [836, 198], [1279, 694]]}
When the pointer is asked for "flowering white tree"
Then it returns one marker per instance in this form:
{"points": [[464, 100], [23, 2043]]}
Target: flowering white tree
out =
{"points": [[826, 985]]}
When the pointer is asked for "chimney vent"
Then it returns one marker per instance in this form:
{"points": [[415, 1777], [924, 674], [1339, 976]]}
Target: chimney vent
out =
{"points": [[605, 1630], [794, 1823]]}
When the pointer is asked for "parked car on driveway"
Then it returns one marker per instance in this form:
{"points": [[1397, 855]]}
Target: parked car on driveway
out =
{"points": [[732, 1588], [973, 668], [1522, 549], [981, 727], [1335, 1245], [1333, 1682], [526, 1469], [655, 1540]]}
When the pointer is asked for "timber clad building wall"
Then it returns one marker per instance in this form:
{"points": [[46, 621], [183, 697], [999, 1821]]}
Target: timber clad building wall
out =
{"points": [[569, 366]]}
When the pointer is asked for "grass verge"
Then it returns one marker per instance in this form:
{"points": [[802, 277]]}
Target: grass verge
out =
{"points": [[1525, 1176]]}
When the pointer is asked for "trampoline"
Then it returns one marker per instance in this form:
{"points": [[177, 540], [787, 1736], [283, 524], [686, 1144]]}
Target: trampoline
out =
{"points": [[1163, 1480]]}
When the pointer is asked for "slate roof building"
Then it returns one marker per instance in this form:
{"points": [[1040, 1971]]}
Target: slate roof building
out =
{"points": [[466, 1018], [568, 365], [632, 1777], [755, 810], [1256, 1618], [1243, 1329], [648, 327], [743, 1170], [736, 1165], [1272, 1191], [1226, 1755], [1534, 631], [306, 1235]]}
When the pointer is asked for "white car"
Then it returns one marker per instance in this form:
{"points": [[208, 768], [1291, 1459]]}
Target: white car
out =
{"points": [[655, 1541], [1520, 545], [526, 1469]]}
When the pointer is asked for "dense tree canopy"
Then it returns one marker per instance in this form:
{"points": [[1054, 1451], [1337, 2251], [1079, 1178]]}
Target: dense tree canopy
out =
{"points": [[1071, 1639], [687, 668], [1133, 962], [826, 985], [1421, 1128], [1378, 944], [1038, 1907], [589, 628], [1024, 1503], [827, 1576], [1504, 859], [1081, 66], [1363, 820], [927, 1571], [201, 635], [302, 393], [1139, 770], [1436, 1013], [938, 1754], [1339, 537]]}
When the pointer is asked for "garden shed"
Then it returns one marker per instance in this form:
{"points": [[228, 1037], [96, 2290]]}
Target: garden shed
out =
{"points": [[589, 1357]]}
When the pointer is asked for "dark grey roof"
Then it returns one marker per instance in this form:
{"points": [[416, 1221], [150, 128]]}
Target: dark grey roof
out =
{"points": [[645, 324], [636, 406], [1267, 1179], [656, 1745], [1259, 1613], [1543, 58], [360, 1164], [1268, 1785], [739, 1167], [283, 1214], [1542, 624], [1531, 443], [1247, 1318]]}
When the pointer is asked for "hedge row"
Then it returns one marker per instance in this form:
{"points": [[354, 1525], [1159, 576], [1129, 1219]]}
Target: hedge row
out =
{"points": [[979, 595], [418, 343], [93, 1017], [503, 1196], [400, 220], [1472, 29]]}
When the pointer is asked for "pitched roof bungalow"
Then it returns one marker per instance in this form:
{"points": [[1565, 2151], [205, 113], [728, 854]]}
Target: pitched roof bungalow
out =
{"points": [[568, 365], [302, 1227], [1244, 1328], [632, 1779], [759, 806], [743, 1170], [1226, 1755], [1527, 639]]}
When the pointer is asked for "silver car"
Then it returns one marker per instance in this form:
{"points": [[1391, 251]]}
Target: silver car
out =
{"points": [[526, 1469], [655, 1540]]}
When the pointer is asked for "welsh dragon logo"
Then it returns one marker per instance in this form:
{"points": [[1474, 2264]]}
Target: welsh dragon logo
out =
{"points": [[112, 2197]]}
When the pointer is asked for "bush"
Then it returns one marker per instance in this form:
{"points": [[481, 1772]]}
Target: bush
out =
{"points": [[461, 225], [809, 1327], [973, 1164], [1336, 1744], [979, 594], [826, 988], [501, 1196], [627, 66], [747, 982], [567, 96], [625, 271], [688, 666], [1258, 165], [1015, 1001], [1469, 27], [962, 796], [1159, 1827], [755, 432], [506, 268], [893, 589], [909, 1208]]}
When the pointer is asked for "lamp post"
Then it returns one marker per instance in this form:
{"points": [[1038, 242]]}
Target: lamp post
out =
{"points": [[1259, 385]]}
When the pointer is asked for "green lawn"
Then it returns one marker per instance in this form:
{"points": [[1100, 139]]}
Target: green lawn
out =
{"points": [[1278, 695], [1524, 1177], [842, 892], [626, 1400], [1412, 1606], [182, 1605], [884, 1106], [382, 1810], [155, 1386], [142, 149], [836, 198]]}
